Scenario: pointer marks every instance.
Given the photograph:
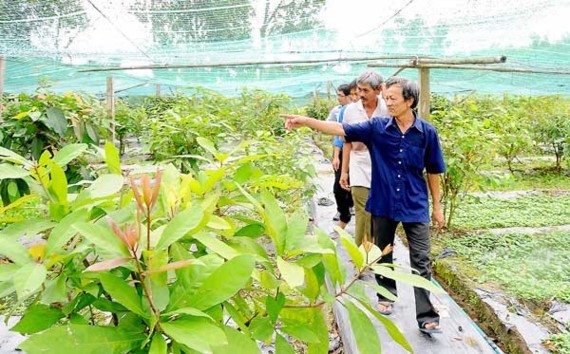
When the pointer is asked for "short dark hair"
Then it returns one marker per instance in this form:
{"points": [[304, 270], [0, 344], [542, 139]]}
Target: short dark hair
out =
{"points": [[344, 88], [409, 88], [353, 85]]}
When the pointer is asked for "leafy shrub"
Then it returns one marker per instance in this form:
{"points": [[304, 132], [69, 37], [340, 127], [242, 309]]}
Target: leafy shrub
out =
{"points": [[174, 263], [46, 121], [319, 107], [468, 144]]}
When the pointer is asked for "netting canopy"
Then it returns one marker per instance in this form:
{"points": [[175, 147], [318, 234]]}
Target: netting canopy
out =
{"points": [[291, 46]]}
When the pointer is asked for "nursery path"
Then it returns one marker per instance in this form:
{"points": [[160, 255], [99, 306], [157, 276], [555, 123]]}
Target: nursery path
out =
{"points": [[460, 333]]}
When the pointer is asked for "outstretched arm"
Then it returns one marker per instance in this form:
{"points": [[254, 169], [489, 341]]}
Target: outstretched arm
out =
{"points": [[295, 121]]}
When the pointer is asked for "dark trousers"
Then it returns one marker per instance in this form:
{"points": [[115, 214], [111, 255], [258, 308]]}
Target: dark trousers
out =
{"points": [[342, 197], [417, 234]]}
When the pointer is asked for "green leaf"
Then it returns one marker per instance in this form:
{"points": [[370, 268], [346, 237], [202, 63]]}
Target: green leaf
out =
{"points": [[251, 230], [158, 280], [224, 282], [296, 232], [188, 221], [56, 120], [28, 228], [412, 279], [207, 145], [112, 158], [374, 253], [158, 344], [15, 251], [391, 328], [268, 280], [197, 333], [12, 171], [215, 245], [103, 238], [363, 330], [68, 153], [274, 305], [378, 289], [282, 346], [64, 231], [122, 292], [28, 279], [10, 156], [37, 318], [58, 183], [352, 248], [293, 274], [275, 220], [188, 311], [261, 328], [300, 330], [236, 340], [83, 338], [106, 185], [217, 223]]}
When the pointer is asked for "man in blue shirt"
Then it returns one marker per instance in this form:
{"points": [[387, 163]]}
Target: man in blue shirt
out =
{"points": [[401, 147]]}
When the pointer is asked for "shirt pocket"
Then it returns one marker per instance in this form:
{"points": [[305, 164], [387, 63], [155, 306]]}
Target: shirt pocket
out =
{"points": [[415, 157]]}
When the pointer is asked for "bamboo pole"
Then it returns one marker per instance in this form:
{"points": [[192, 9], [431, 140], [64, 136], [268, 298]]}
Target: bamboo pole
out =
{"points": [[424, 104], [111, 105], [2, 68], [249, 63], [157, 90], [455, 61], [469, 67]]}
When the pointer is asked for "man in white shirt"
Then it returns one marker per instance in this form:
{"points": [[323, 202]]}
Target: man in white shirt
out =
{"points": [[356, 158]]}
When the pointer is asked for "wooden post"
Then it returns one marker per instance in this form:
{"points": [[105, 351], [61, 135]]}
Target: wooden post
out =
{"points": [[2, 66], [424, 106], [157, 90], [111, 105], [329, 85]]}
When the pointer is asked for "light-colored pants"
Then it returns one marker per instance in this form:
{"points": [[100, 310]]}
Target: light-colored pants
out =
{"points": [[363, 228]]}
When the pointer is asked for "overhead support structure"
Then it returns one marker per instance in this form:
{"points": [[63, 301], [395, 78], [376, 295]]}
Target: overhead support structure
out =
{"points": [[425, 64], [250, 63]]}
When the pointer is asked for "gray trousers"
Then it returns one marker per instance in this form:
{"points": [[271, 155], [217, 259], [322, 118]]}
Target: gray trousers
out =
{"points": [[417, 233]]}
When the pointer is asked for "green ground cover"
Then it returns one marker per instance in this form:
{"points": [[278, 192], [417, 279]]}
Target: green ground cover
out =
{"points": [[533, 267], [544, 209]]}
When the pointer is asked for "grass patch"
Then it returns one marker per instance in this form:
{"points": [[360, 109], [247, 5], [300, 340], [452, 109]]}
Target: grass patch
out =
{"points": [[559, 343], [528, 180], [531, 211], [533, 267]]}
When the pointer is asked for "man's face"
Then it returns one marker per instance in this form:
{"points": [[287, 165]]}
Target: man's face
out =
{"points": [[394, 97], [354, 95], [342, 98], [367, 94]]}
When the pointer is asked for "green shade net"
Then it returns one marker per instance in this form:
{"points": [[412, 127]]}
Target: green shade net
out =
{"points": [[59, 40]]}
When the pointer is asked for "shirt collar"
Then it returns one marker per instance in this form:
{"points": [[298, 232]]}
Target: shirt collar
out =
{"points": [[417, 123]]}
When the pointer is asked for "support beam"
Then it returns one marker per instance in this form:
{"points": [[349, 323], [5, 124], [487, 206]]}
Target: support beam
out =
{"points": [[111, 105], [454, 61], [424, 104], [2, 68], [469, 67], [249, 63]]}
